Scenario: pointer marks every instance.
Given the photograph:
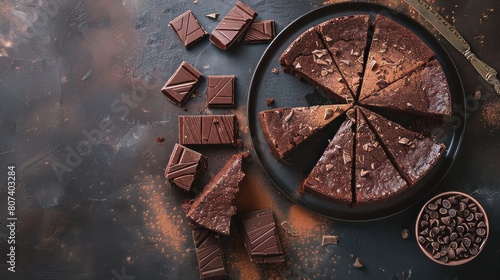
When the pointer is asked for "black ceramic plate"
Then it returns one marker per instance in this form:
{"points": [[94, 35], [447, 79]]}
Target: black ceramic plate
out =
{"points": [[287, 91]]}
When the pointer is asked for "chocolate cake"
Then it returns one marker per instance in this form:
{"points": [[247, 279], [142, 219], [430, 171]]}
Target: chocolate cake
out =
{"points": [[213, 208], [425, 92], [184, 166], [308, 59], [285, 128], [376, 178], [414, 154], [346, 39], [394, 52], [331, 177]]}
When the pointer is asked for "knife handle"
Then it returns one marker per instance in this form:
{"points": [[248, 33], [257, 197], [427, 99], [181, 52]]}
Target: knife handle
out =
{"points": [[488, 73]]}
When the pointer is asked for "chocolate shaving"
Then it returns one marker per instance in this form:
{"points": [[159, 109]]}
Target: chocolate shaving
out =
{"points": [[329, 240], [289, 228], [347, 158]]}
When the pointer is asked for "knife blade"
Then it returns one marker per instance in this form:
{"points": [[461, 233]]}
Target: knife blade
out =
{"points": [[449, 32]]}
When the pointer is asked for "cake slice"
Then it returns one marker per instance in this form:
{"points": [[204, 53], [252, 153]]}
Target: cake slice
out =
{"points": [[309, 60], [331, 177], [346, 39], [376, 178], [286, 128], [213, 208], [414, 154], [423, 93], [394, 52]]}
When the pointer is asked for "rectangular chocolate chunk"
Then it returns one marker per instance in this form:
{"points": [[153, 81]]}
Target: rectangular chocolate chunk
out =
{"points": [[260, 236], [188, 29], [260, 31], [220, 91], [208, 129], [233, 26], [182, 83], [184, 166], [211, 263]]}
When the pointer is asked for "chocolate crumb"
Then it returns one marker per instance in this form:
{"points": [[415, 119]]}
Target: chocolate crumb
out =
{"points": [[477, 95], [184, 108], [276, 71], [357, 263], [329, 239], [405, 233], [160, 139], [289, 228], [270, 101]]}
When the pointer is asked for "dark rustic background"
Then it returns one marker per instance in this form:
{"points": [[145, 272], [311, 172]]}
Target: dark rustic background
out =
{"points": [[74, 68]]}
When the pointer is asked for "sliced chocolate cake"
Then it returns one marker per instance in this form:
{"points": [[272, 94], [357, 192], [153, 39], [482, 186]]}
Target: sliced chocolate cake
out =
{"points": [[376, 178], [213, 208], [425, 92], [309, 60], [331, 177], [346, 38], [285, 128], [414, 154], [394, 52]]}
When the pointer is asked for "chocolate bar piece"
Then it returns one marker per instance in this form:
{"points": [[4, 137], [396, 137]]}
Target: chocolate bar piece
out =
{"points": [[233, 26], [208, 129], [260, 31], [213, 208], [188, 29], [220, 91], [184, 166], [182, 84], [261, 237], [211, 263]]}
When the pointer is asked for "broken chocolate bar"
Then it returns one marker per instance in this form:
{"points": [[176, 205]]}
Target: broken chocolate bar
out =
{"points": [[233, 26], [184, 166], [182, 84], [211, 263], [260, 236], [220, 91], [208, 129], [213, 208], [260, 31], [188, 29]]}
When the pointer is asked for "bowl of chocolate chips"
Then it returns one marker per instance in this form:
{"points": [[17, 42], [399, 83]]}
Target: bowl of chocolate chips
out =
{"points": [[452, 228]]}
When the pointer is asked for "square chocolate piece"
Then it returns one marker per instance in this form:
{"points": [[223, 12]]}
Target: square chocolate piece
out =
{"points": [[220, 91], [184, 166], [260, 32], [188, 29], [208, 129], [260, 236], [233, 26], [211, 263], [182, 83]]}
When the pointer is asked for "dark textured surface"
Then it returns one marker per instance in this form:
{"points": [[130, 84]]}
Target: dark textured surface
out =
{"points": [[111, 213]]}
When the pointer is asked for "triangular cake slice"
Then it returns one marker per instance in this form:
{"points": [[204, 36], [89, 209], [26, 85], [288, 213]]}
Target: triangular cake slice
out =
{"points": [[346, 39], [213, 208], [286, 128], [394, 52], [376, 178], [331, 178], [309, 60], [414, 154], [425, 92]]}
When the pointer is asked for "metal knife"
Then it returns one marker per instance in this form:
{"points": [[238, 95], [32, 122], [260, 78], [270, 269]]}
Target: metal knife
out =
{"points": [[451, 34]]}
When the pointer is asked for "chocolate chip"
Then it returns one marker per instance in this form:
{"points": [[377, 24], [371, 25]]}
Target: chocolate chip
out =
{"points": [[478, 216], [443, 211], [452, 212], [481, 225], [453, 236], [466, 242], [481, 232], [434, 214], [446, 204], [432, 206], [473, 251], [451, 254], [446, 220], [470, 217]]}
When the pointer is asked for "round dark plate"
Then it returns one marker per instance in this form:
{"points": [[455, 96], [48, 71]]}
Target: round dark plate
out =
{"points": [[287, 91]]}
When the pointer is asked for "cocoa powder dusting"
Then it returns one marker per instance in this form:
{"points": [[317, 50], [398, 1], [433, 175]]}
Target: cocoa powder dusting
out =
{"points": [[306, 222], [491, 114], [253, 195]]}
